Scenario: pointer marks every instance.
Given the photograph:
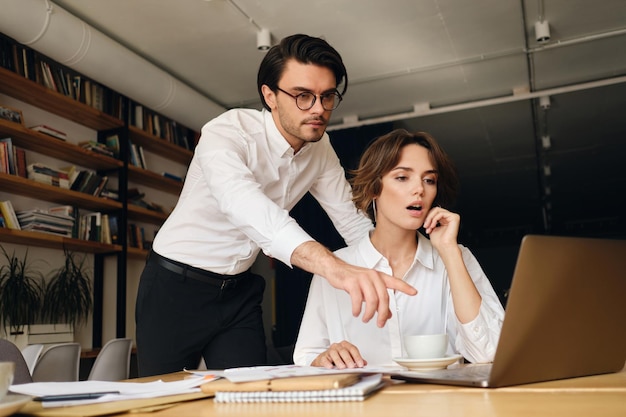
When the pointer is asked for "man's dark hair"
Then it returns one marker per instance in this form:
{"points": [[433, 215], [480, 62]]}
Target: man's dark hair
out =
{"points": [[304, 49]]}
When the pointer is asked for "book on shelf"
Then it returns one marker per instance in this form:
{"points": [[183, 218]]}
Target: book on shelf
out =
{"points": [[296, 390], [142, 157], [5, 166], [68, 210], [133, 236], [172, 176], [10, 157], [105, 236], [110, 194], [90, 227], [40, 220], [103, 182], [114, 230], [47, 175], [20, 162], [97, 147], [113, 143], [133, 158], [8, 213], [85, 181], [50, 131]]}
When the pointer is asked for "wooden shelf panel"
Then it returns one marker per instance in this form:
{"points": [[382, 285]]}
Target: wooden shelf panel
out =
{"points": [[153, 180], [141, 214], [49, 146], [137, 253], [40, 96], [160, 146], [22, 186], [46, 240]]}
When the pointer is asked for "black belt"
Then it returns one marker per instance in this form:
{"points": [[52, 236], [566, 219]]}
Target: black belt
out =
{"points": [[218, 280]]}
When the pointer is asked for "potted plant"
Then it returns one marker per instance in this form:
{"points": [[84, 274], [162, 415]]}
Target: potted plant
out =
{"points": [[21, 290], [67, 295]]}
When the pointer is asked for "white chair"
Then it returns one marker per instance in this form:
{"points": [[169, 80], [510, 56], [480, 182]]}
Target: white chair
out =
{"points": [[113, 361], [58, 363], [11, 353], [31, 355]]}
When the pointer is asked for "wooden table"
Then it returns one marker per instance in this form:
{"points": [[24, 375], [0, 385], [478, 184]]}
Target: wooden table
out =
{"points": [[601, 395]]}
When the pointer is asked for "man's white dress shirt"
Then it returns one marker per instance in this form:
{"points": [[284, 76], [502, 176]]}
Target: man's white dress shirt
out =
{"points": [[242, 181]]}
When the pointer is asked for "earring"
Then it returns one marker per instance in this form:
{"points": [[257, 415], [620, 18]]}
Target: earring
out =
{"points": [[374, 209]]}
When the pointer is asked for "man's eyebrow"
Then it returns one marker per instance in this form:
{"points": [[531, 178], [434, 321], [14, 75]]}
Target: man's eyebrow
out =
{"points": [[307, 90]]}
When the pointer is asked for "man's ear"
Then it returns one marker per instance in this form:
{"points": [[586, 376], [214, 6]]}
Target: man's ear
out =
{"points": [[269, 96]]}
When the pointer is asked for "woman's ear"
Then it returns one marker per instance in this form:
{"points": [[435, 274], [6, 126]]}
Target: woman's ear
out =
{"points": [[269, 96]]}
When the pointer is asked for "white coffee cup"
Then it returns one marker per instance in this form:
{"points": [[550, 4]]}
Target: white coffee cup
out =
{"points": [[426, 346], [7, 371]]}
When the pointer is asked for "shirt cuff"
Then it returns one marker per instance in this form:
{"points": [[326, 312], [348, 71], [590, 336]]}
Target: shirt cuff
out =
{"points": [[286, 241]]}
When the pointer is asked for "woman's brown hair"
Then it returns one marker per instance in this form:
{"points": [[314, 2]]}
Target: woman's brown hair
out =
{"points": [[383, 154]]}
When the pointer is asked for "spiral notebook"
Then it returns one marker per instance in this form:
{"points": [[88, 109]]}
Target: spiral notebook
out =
{"points": [[359, 391]]}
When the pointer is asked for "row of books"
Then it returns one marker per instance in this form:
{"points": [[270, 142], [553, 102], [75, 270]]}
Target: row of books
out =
{"points": [[48, 175], [162, 127], [70, 178], [137, 156], [64, 221], [98, 227], [8, 218], [86, 181], [52, 221], [36, 67], [40, 69], [12, 158], [61, 221]]}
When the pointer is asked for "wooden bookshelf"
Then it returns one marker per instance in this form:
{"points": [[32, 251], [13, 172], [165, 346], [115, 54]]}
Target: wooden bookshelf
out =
{"points": [[56, 148], [45, 240], [40, 96], [69, 107], [160, 146], [29, 188], [153, 180], [141, 214]]}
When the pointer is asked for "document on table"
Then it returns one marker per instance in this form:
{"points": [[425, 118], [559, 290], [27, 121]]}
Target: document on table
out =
{"points": [[260, 373], [122, 390]]}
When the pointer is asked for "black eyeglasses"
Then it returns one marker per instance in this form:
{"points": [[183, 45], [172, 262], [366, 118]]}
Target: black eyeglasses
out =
{"points": [[306, 99]]}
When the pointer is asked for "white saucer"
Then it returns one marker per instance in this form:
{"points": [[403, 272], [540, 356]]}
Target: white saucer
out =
{"points": [[427, 364], [12, 403]]}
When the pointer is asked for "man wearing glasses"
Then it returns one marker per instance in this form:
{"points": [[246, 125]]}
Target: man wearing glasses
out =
{"points": [[197, 296]]}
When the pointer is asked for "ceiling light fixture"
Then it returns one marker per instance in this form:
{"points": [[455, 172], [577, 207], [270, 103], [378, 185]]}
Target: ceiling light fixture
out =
{"points": [[263, 39], [542, 31]]}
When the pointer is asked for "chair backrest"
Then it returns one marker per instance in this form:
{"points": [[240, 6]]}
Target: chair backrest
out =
{"points": [[11, 353], [31, 355], [58, 363], [113, 361]]}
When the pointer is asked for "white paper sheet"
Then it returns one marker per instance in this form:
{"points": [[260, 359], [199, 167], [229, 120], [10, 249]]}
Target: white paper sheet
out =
{"points": [[127, 390], [259, 373]]}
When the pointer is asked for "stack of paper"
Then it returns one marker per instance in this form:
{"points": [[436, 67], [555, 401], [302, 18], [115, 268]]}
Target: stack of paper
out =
{"points": [[292, 383], [299, 391], [63, 394]]}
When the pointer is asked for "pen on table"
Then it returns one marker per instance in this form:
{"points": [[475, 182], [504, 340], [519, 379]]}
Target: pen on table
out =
{"points": [[74, 397]]}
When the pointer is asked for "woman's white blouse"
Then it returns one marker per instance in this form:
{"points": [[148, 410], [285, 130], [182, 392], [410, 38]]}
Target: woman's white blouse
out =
{"points": [[328, 314]]}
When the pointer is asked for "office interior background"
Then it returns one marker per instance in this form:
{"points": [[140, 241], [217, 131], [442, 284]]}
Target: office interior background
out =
{"points": [[527, 96]]}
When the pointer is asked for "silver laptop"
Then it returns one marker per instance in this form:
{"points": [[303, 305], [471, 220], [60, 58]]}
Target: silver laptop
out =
{"points": [[565, 316]]}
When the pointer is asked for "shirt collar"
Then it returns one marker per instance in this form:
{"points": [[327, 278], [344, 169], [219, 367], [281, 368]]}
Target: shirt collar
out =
{"points": [[372, 257]]}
